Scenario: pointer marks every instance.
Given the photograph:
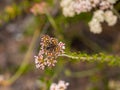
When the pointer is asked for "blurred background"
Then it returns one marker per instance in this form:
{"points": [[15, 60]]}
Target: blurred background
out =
{"points": [[20, 32]]}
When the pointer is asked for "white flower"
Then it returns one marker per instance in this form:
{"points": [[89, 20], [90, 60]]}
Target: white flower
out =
{"points": [[105, 5], [67, 8], [50, 62], [99, 15], [65, 3], [110, 18], [39, 64], [70, 7], [82, 6], [77, 7], [68, 11], [62, 85], [53, 86], [112, 1], [95, 26]]}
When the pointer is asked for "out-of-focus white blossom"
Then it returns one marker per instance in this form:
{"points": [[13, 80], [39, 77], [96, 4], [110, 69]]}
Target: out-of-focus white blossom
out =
{"points": [[53, 86], [112, 1], [62, 85], [82, 6], [67, 8], [68, 11], [103, 11], [65, 3], [99, 15], [70, 7], [105, 5], [39, 8], [95, 23], [95, 26], [110, 18]]}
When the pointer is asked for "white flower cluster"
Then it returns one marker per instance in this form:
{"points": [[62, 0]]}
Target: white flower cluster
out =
{"points": [[72, 7], [68, 10], [103, 11], [101, 16], [62, 85]]}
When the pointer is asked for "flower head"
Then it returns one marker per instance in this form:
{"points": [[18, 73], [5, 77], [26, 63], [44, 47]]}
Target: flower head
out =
{"points": [[53, 86], [100, 7], [99, 15], [105, 5], [49, 51], [62, 85], [39, 8], [95, 26], [110, 18]]}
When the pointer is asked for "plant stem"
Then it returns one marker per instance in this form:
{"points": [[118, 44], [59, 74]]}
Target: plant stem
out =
{"points": [[51, 20], [57, 29], [25, 60], [75, 57], [102, 58]]}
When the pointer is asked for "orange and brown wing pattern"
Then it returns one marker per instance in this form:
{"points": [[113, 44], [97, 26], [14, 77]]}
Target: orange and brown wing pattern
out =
{"points": [[45, 40]]}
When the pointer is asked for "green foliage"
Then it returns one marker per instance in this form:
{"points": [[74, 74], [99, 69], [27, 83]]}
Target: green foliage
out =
{"points": [[101, 58], [55, 24], [15, 10], [23, 48], [86, 17]]}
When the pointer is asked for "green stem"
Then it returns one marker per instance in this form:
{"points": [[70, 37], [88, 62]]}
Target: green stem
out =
{"points": [[75, 57], [102, 58], [25, 60], [57, 30], [51, 20]]}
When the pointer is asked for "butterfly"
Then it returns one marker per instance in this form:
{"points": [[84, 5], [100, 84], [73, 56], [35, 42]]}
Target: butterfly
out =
{"points": [[50, 45]]}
